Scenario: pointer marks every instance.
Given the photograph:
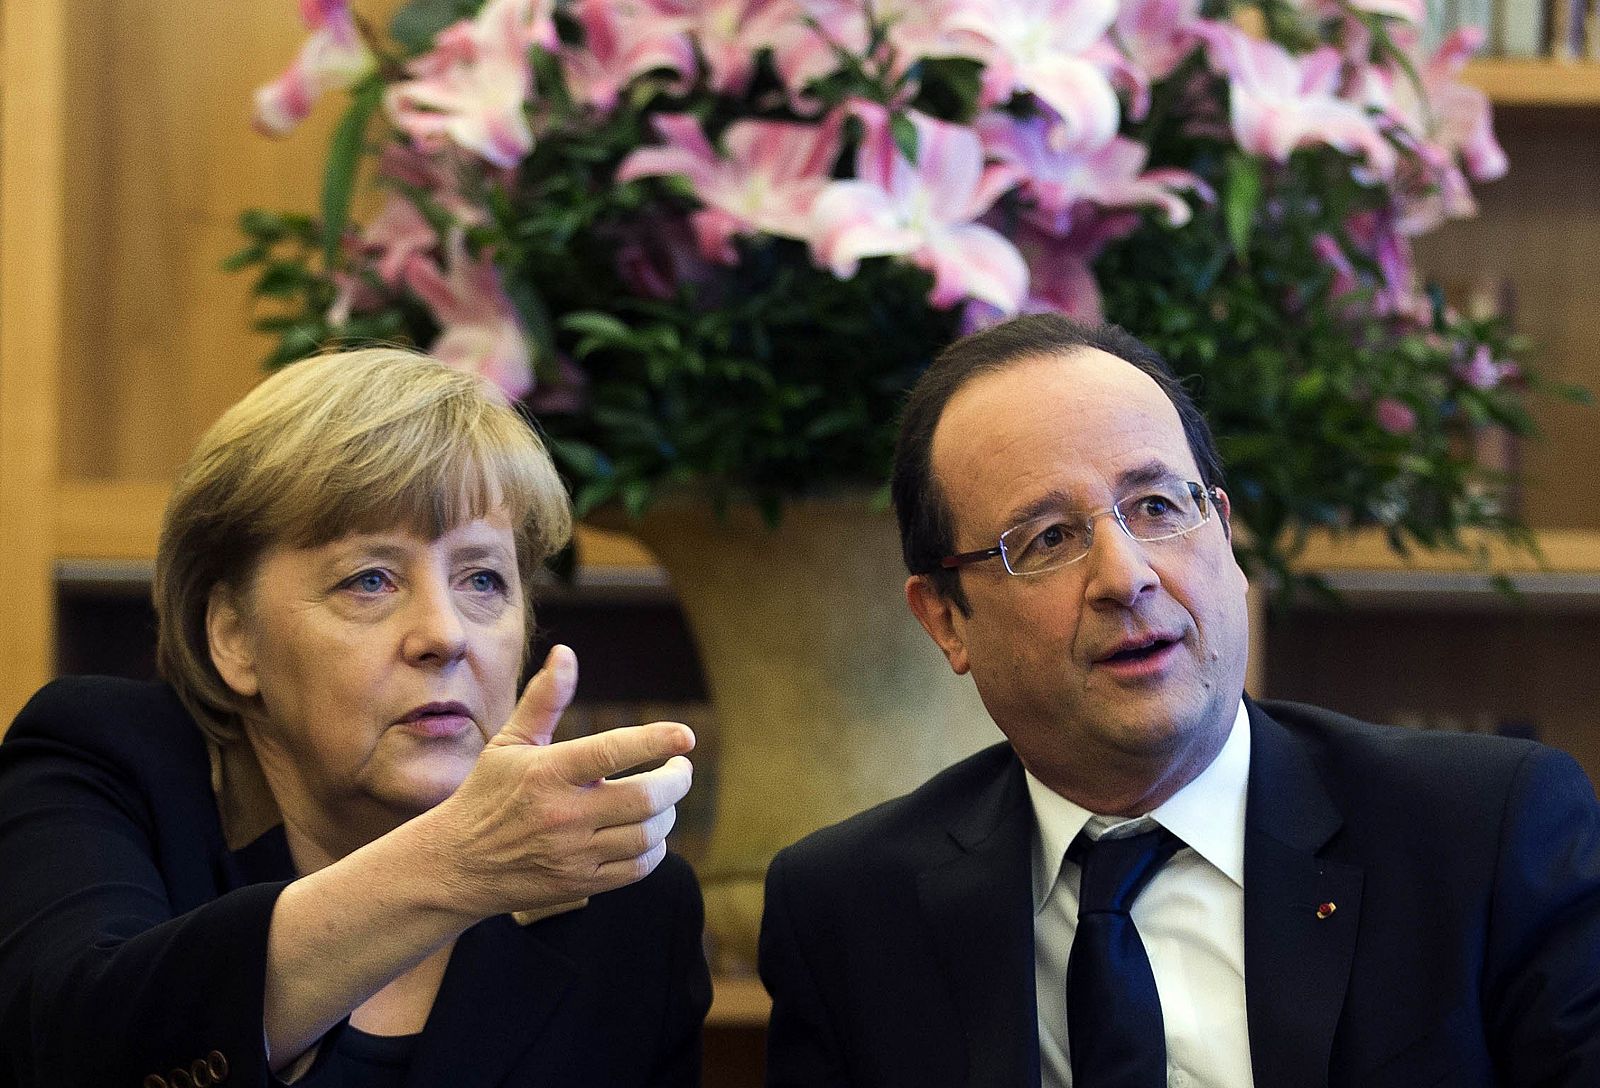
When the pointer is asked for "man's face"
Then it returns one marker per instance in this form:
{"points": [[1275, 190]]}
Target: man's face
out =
{"points": [[1117, 677]]}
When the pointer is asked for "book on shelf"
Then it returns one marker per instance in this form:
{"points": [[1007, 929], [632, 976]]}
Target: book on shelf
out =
{"points": [[1566, 30], [1567, 19], [1520, 28]]}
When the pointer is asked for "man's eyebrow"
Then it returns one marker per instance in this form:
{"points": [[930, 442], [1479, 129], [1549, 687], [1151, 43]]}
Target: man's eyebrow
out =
{"points": [[1057, 501], [1053, 501], [1151, 472]]}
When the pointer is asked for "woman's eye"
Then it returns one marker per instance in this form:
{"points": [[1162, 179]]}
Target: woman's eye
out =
{"points": [[369, 581], [486, 581]]}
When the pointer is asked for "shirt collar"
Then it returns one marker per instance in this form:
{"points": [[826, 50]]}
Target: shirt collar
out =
{"points": [[1207, 814]]}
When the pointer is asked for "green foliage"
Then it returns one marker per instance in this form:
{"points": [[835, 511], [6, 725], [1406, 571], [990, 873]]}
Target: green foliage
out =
{"points": [[773, 378]]}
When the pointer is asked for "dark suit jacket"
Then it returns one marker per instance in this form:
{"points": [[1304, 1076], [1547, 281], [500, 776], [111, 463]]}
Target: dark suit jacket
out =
{"points": [[1464, 950], [132, 941]]}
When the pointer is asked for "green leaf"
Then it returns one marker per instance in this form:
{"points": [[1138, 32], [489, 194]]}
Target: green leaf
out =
{"points": [[593, 323], [582, 459], [344, 160], [415, 24], [244, 258], [264, 225], [1241, 198], [636, 496], [905, 136]]}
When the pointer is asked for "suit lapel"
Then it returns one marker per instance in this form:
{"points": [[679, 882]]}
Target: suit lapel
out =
{"points": [[1296, 964], [980, 909], [502, 985]]}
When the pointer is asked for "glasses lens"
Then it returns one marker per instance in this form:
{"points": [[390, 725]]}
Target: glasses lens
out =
{"points": [[1158, 513], [1044, 542], [1164, 511]]}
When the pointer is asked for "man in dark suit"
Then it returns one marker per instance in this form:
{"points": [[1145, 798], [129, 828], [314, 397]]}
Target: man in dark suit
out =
{"points": [[1156, 880]]}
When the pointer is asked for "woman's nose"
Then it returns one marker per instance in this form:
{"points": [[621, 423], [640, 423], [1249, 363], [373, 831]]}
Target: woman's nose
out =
{"points": [[435, 632]]}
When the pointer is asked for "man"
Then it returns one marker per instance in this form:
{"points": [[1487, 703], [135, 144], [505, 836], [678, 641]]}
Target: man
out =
{"points": [[1158, 881]]}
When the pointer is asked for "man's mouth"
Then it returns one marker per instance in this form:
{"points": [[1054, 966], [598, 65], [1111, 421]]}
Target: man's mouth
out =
{"points": [[1143, 650]]}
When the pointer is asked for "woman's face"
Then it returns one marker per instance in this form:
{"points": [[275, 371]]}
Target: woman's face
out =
{"points": [[383, 662]]}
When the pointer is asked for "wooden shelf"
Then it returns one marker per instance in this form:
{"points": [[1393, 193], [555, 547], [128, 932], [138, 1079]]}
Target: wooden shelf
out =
{"points": [[1565, 551], [120, 521], [1536, 81], [97, 521]]}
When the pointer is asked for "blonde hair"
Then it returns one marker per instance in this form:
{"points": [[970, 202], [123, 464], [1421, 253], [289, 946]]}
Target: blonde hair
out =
{"points": [[358, 441]]}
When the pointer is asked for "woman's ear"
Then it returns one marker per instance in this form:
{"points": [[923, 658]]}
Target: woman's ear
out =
{"points": [[232, 647]]}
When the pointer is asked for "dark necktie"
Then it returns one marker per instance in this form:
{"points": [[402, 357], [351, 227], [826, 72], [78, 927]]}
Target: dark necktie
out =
{"points": [[1114, 1029]]}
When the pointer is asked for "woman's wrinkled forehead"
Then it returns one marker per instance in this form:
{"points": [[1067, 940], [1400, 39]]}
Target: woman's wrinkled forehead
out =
{"points": [[428, 508]]}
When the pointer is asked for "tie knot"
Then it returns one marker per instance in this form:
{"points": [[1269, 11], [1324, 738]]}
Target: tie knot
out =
{"points": [[1115, 871]]}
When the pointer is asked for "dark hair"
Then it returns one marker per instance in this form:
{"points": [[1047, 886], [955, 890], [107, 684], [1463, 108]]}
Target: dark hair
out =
{"points": [[927, 533]]}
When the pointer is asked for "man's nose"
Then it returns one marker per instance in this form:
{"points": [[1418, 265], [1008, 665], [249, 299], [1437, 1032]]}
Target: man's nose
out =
{"points": [[435, 633], [1119, 568]]}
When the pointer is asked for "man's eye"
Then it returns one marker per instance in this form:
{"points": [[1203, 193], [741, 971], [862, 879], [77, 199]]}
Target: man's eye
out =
{"points": [[1054, 536], [1156, 506]]}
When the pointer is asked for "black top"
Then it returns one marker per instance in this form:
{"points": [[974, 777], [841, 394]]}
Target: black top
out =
{"points": [[133, 942], [360, 1060]]}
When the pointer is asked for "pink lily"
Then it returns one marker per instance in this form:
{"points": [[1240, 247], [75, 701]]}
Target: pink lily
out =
{"points": [[623, 39], [1344, 281], [1054, 49], [732, 33], [1280, 102], [1410, 12], [1395, 416], [1155, 36], [1450, 126], [479, 329], [659, 257], [436, 176], [396, 235], [1111, 176], [1482, 371], [772, 175], [923, 212], [472, 88], [333, 57], [1061, 267], [1380, 237]]}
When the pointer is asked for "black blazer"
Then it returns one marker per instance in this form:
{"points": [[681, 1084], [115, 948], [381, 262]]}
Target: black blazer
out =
{"points": [[133, 942], [1464, 950]]}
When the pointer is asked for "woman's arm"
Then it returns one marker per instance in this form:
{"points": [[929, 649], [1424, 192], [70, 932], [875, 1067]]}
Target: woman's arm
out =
{"points": [[535, 825]]}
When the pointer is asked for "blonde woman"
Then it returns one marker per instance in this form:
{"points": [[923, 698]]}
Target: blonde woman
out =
{"points": [[333, 846]]}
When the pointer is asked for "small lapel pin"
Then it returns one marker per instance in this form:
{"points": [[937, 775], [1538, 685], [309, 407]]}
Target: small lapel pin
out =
{"points": [[1326, 909]]}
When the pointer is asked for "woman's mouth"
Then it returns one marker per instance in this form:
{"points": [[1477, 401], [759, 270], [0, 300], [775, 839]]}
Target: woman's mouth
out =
{"points": [[437, 719]]}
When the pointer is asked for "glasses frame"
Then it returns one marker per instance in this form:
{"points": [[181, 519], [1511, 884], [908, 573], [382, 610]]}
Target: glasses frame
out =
{"points": [[1204, 497]]}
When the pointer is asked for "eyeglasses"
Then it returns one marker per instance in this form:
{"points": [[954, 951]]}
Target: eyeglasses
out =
{"points": [[1056, 539]]}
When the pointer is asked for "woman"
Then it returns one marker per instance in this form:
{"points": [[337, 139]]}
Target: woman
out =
{"points": [[334, 847]]}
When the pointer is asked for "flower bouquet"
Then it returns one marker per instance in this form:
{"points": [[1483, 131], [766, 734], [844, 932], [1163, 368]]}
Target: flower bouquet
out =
{"points": [[711, 242]]}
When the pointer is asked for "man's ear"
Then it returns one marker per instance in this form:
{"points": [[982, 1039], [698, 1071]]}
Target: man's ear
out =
{"points": [[1219, 499], [939, 617], [232, 648]]}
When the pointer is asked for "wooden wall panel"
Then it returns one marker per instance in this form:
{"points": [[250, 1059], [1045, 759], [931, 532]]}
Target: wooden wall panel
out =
{"points": [[163, 160], [31, 215], [1540, 225]]}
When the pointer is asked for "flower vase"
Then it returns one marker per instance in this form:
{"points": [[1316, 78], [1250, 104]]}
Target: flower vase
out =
{"points": [[827, 696]]}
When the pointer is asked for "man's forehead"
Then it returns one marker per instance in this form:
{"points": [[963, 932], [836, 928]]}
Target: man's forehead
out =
{"points": [[1019, 428]]}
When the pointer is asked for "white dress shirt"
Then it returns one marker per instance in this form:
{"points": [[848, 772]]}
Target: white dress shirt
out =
{"points": [[1190, 917]]}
